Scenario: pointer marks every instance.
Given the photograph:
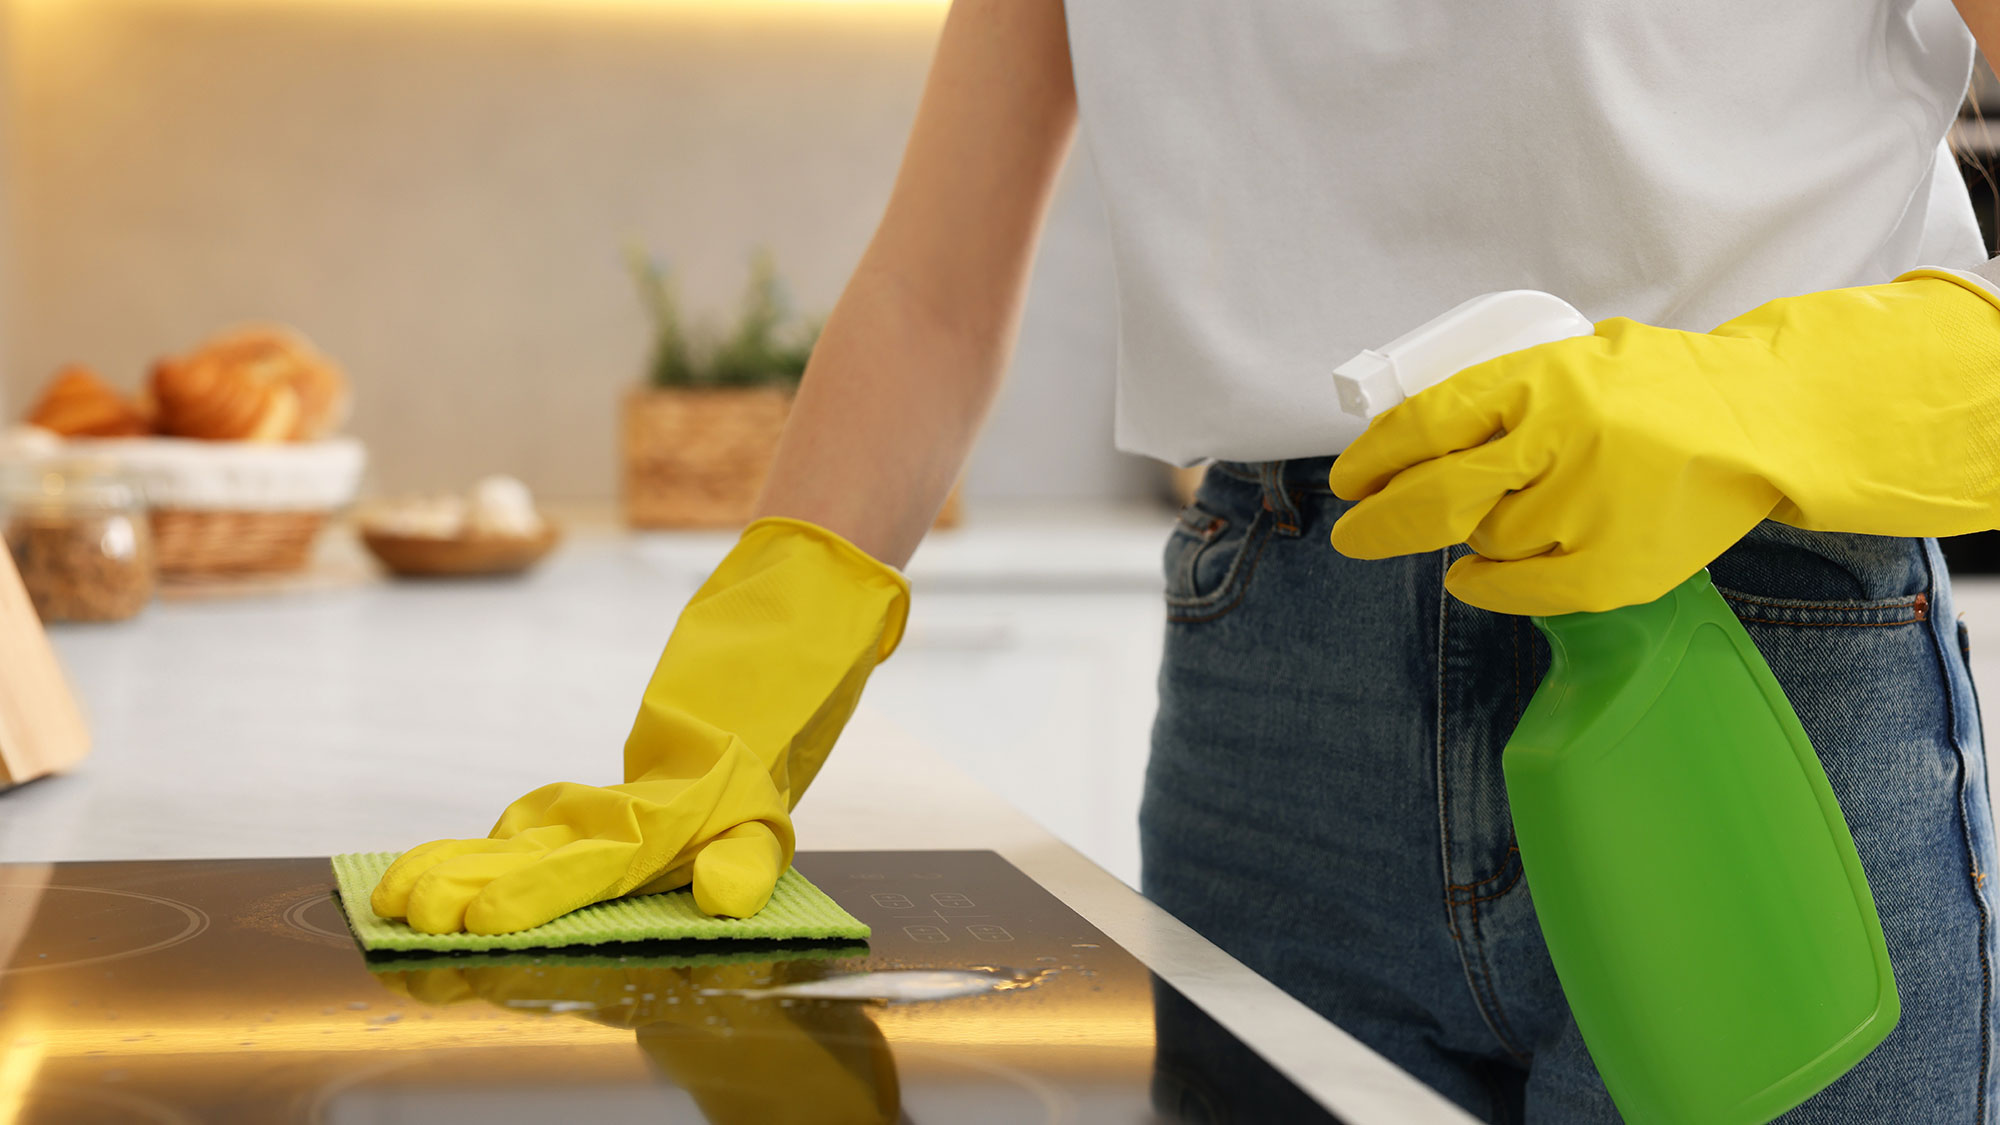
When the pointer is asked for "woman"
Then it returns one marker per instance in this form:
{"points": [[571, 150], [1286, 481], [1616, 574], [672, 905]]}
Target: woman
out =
{"points": [[1289, 182]]}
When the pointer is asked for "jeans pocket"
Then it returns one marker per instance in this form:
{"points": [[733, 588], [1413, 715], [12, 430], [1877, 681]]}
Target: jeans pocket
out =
{"points": [[1208, 561], [1753, 609]]}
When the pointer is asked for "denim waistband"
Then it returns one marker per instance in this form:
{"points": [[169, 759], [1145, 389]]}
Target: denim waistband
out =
{"points": [[1284, 483], [1812, 565], [1303, 474]]}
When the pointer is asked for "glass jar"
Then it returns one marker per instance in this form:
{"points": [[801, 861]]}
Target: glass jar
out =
{"points": [[78, 534]]}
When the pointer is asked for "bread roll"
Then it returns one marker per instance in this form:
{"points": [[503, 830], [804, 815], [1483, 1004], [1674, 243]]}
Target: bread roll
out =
{"points": [[253, 384], [79, 403]]}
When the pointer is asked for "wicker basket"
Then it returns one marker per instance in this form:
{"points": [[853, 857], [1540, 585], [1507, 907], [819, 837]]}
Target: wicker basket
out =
{"points": [[197, 541], [223, 508]]}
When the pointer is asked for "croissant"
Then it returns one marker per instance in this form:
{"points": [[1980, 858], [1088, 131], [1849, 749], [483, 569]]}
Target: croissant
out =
{"points": [[78, 403], [254, 384]]}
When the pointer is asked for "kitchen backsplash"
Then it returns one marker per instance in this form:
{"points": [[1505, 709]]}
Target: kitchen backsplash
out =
{"points": [[439, 195]]}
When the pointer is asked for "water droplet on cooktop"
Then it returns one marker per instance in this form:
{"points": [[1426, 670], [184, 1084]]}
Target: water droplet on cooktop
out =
{"points": [[358, 1005]]}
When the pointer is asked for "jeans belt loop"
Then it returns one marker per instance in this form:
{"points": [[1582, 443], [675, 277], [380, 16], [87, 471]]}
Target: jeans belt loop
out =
{"points": [[1280, 501]]}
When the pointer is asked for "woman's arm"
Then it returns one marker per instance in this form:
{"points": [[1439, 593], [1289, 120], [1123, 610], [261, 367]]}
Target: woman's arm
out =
{"points": [[915, 349]]}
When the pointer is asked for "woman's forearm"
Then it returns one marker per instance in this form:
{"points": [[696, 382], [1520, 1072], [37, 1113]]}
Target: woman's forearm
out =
{"points": [[883, 422], [915, 350]]}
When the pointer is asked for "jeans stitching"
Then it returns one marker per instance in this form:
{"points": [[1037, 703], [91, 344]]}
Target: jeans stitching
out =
{"points": [[1861, 614], [1313, 488], [1505, 1032], [1511, 884], [1443, 793], [1223, 587], [1480, 983], [1239, 574], [1979, 903], [1890, 603], [1512, 848], [1972, 880], [1289, 528], [1831, 624], [1210, 526]]}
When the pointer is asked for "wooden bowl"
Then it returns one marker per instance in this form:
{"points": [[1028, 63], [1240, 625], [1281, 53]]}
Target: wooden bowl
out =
{"points": [[417, 556]]}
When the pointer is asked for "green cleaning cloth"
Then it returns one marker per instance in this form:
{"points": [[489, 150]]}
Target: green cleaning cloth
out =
{"points": [[422, 960], [797, 910]]}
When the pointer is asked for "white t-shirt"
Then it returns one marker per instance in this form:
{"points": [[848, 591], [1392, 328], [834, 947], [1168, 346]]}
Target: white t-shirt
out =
{"points": [[1290, 181]]}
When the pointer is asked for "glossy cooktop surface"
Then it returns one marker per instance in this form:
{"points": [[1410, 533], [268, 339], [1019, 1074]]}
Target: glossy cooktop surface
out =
{"points": [[231, 990]]}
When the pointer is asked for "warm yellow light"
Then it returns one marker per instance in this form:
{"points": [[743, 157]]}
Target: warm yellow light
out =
{"points": [[18, 1067], [199, 1039], [37, 20], [714, 6], [473, 1026]]}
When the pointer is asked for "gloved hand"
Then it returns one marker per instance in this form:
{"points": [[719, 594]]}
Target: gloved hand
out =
{"points": [[745, 1060], [1600, 471], [761, 673]]}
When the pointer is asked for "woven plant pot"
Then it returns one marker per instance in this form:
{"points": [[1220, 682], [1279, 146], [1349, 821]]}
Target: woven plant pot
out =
{"points": [[697, 457]]}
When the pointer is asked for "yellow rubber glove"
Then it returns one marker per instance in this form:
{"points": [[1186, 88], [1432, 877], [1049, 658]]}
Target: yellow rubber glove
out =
{"points": [[762, 671], [1600, 471], [745, 1060]]}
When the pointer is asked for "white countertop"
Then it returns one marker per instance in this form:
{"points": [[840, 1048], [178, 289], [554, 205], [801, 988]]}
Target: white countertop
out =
{"points": [[371, 716]]}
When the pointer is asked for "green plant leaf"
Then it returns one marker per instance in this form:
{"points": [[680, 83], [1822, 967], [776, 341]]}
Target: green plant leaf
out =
{"points": [[767, 345]]}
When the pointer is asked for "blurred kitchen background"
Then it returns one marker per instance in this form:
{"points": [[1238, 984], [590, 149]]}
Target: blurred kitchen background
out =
{"points": [[439, 192], [441, 195]]}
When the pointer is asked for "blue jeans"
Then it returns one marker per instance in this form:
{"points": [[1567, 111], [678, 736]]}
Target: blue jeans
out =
{"points": [[1325, 798]]}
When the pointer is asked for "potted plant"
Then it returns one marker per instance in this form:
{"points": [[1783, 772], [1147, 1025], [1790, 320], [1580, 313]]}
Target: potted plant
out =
{"points": [[699, 434]]}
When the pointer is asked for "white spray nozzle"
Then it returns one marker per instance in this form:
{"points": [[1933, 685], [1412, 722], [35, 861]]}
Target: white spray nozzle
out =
{"points": [[1486, 327]]}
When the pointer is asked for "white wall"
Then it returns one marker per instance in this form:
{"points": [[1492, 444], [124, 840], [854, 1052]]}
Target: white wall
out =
{"points": [[438, 193]]}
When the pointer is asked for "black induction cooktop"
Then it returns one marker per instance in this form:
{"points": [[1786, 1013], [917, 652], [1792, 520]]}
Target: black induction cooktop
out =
{"points": [[231, 991]]}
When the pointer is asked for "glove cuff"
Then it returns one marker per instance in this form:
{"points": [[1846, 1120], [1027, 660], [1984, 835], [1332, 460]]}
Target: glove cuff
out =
{"points": [[1981, 287], [863, 567]]}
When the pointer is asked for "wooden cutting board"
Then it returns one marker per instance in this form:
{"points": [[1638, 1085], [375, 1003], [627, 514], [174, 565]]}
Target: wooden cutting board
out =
{"points": [[41, 728]]}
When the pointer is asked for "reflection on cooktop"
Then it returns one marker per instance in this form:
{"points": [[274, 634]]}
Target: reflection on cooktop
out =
{"points": [[88, 925], [229, 990]]}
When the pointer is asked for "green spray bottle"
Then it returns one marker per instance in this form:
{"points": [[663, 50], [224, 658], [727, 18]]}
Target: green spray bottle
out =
{"points": [[1694, 878]]}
